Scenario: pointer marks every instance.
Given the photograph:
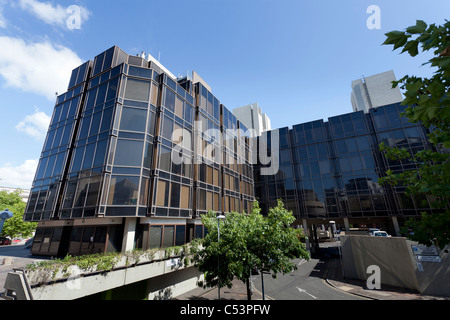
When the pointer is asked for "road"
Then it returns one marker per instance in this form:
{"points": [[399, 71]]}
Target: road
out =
{"points": [[306, 283]]}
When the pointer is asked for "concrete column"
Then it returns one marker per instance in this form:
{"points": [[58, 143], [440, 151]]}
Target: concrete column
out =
{"points": [[396, 226], [305, 230], [346, 224], [129, 233]]}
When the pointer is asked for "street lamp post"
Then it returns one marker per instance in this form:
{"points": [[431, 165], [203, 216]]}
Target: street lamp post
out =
{"points": [[219, 218], [333, 224], [3, 216]]}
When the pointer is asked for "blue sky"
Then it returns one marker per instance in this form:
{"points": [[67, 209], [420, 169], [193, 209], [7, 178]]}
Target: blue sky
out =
{"points": [[295, 58]]}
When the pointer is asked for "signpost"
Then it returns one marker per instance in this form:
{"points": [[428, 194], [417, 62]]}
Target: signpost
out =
{"points": [[425, 254], [424, 250]]}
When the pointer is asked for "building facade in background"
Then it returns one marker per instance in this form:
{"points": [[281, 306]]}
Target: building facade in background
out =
{"points": [[330, 170], [253, 118], [374, 91], [132, 157]]}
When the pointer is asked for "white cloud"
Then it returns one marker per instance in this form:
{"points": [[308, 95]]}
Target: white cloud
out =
{"points": [[71, 17], [35, 125], [43, 68], [20, 176]]}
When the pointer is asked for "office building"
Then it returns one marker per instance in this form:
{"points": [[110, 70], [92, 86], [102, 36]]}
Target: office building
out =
{"points": [[126, 161], [253, 118], [330, 170], [374, 91]]}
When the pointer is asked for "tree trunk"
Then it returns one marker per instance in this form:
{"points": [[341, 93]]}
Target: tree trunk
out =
{"points": [[249, 292]]}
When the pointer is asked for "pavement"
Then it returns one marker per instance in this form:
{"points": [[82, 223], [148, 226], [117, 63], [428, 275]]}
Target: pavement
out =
{"points": [[14, 256]]}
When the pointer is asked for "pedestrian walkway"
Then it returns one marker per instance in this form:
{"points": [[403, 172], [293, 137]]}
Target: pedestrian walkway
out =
{"points": [[237, 292]]}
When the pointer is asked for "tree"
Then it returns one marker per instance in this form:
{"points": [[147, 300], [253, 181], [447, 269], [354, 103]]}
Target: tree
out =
{"points": [[15, 226], [428, 103], [247, 242]]}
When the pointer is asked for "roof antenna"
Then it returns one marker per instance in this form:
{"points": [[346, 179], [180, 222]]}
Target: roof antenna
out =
{"points": [[159, 56]]}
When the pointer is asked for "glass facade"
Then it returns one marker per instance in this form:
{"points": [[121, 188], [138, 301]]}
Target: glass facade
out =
{"points": [[331, 169], [127, 140]]}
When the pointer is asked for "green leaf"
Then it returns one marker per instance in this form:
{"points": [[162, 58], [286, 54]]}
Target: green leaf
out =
{"points": [[420, 27], [412, 48], [393, 37]]}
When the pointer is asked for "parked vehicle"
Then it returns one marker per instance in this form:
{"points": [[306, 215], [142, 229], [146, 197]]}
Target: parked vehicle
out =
{"points": [[372, 230], [381, 234], [5, 241]]}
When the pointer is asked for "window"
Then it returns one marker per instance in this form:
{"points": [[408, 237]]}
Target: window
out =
{"points": [[356, 163], [178, 107], [167, 128], [133, 119], [148, 155], [209, 175], [324, 167], [185, 197], [137, 90], [155, 237], [169, 100], [162, 193], [123, 190], [151, 123], [80, 195], [89, 156], [165, 158], [128, 153], [202, 200], [95, 125], [351, 145], [100, 153], [70, 191], [168, 240], [94, 188], [209, 200], [155, 93], [341, 146], [216, 202], [180, 237], [175, 195]]}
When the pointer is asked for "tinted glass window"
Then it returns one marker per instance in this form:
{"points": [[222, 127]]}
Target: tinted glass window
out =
{"points": [[133, 119], [106, 121], [169, 101], [92, 195], [128, 153], [137, 90], [123, 190], [89, 156], [100, 153], [180, 235], [175, 195], [165, 159], [155, 237], [167, 128], [169, 232]]}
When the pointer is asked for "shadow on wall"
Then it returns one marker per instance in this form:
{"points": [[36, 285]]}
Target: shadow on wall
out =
{"points": [[164, 294]]}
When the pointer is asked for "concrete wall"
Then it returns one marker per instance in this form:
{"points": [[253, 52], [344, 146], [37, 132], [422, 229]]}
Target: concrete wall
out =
{"points": [[397, 262], [160, 277]]}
